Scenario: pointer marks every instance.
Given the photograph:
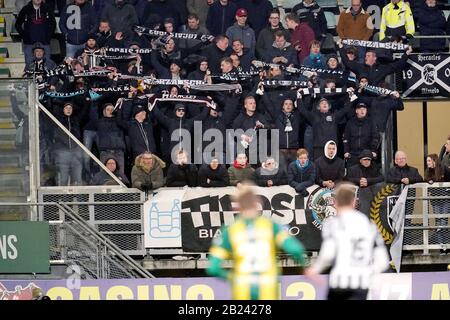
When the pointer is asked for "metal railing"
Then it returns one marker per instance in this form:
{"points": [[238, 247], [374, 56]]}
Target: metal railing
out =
{"points": [[115, 212], [75, 242], [427, 214]]}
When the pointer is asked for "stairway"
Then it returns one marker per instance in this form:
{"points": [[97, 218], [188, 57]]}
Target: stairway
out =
{"points": [[14, 185]]}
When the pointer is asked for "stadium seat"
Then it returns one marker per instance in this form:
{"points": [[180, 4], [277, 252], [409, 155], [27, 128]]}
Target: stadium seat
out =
{"points": [[331, 22], [328, 45], [327, 3]]}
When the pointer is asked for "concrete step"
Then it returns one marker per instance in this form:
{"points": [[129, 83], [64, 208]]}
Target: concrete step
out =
{"points": [[8, 134], [14, 49], [14, 213], [9, 190], [6, 146], [12, 181], [6, 125], [10, 170], [6, 157]]}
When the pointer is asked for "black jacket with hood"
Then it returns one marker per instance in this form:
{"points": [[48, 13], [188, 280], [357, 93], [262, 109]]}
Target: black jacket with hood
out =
{"points": [[329, 168], [36, 25]]}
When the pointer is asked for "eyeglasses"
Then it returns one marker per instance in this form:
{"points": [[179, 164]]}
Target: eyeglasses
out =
{"points": [[180, 110]]}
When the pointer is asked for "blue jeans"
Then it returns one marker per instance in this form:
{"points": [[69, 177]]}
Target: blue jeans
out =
{"points": [[71, 49], [441, 208], [28, 52], [89, 137], [308, 140], [69, 164]]}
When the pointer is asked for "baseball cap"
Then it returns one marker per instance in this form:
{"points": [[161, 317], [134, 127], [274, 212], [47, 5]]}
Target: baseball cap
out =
{"points": [[361, 105], [241, 12], [180, 106]]}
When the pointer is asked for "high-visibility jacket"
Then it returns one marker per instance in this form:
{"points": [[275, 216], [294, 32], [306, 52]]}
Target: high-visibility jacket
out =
{"points": [[396, 22]]}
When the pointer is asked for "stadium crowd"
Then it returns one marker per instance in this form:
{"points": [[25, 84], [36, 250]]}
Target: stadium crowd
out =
{"points": [[135, 72]]}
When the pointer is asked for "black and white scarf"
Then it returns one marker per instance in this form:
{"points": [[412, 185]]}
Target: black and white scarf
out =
{"points": [[375, 44], [175, 35], [129, 50], [154, 98]]}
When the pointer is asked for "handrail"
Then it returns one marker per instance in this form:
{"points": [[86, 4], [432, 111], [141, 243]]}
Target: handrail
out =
{"points": [[108, 243], [92, 231], [81, 145]]}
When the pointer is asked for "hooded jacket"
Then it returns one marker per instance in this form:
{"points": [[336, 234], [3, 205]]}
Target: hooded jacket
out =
{"points": [[431, 21], [102, 178], [172, 124], [375, 73], [220, 17], [329, 168], [371, 173], [314, 15], [88, 22], [121, 18], [299, 177], [182, 175], [289, 125], [266, 38], [140, 137], [302, 36], [287, 51], [154, 178], [72, 123], [36, 25], [324, 124], [360, 134], [245, 34], [258, 13], [218, 178]]}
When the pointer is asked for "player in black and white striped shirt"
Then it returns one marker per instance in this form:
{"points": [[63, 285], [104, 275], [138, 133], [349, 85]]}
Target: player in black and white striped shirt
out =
{"points": [[352, 247]]}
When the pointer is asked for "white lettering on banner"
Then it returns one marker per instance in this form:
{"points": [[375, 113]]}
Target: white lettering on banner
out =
{"points": [[375, 13], [433, 57], [74, 17], [7, 248]]}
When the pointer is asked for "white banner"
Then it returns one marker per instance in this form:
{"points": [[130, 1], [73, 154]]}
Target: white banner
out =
{"points": [[162, 219]]}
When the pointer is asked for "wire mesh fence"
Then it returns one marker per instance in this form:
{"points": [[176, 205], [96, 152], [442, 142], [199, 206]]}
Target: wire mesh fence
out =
{"points": [[71, 243], [427, 214], [115, 212]]}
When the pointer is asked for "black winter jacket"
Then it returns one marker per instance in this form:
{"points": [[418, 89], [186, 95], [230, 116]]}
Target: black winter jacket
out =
{"points": [[36, 25], [182, 175], [372, 174], [329, 169], [360, 134], [263, 175], [396, 174], [218, 177]]}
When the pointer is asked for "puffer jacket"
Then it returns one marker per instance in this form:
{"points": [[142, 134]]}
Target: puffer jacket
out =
{"points": [[155, 177]]}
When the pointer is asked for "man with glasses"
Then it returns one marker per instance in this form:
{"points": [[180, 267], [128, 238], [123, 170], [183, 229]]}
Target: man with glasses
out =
{"points": [[267, 35], [270, 174], [401, 173], [147, 172]]}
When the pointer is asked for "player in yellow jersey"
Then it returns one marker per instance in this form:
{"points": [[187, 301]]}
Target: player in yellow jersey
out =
{"points": [[251, 243]]}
